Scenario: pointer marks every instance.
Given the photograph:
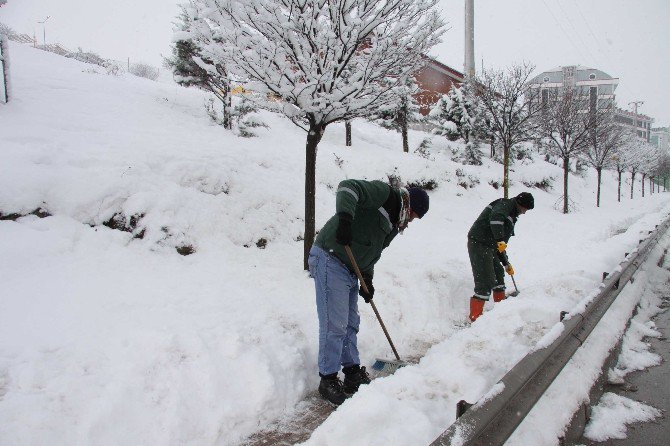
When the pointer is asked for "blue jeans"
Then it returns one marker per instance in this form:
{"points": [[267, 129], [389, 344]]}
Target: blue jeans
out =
{"points": [[337, 307]]}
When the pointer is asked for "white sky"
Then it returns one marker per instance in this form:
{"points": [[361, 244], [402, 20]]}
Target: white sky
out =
{"points": [[624, 38]]}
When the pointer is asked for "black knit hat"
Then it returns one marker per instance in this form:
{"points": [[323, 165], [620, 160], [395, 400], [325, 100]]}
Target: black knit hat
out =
{"points": [[525, 200], [418, 201]]}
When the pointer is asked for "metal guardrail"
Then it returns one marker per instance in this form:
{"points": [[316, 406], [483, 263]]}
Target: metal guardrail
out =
{"points": [[491, 422]]}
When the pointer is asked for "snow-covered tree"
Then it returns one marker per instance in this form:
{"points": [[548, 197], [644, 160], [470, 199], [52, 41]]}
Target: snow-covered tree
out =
{"points": [[245, 115], [607, 136], [404, 111], [623, 157], [191, 68], [651, 156], [455, 116], [639, 150], [567, 128], [507, 112], [663, 171], [328, 61]]}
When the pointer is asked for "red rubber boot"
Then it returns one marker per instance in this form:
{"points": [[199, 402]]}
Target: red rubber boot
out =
{"points": [[499, 295], [476, 308]]}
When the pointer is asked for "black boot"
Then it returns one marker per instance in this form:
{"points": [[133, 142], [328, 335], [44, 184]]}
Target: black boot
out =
{"points": [[331, 389], [354, 376]]}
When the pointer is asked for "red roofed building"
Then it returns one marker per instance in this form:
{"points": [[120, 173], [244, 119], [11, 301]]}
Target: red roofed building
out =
{"points": [[435, 79]]}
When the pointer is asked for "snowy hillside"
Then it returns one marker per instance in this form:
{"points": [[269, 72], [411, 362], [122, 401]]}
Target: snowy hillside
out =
{"points": [[108, 335]]}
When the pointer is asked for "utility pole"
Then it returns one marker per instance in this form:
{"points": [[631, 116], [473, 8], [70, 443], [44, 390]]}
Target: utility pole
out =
{"points": [[44, 30], [469, 68], [635, 104]]}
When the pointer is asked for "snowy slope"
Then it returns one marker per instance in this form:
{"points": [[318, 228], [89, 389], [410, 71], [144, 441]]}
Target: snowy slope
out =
{"points": [[106, 338]]}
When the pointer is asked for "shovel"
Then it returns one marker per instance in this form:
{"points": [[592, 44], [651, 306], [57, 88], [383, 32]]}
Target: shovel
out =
{"points": [[516, 290], [505, 263], [382, 365]]}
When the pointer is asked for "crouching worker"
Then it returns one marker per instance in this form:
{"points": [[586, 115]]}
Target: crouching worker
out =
{"points": [[487, 242], [369, 214]]}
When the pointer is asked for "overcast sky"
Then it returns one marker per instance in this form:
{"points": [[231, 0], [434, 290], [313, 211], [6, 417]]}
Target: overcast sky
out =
{"points": [[624, 38]]}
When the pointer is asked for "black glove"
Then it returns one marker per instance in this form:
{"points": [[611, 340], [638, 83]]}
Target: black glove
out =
{"points": [[343, 233], [367, 297]]}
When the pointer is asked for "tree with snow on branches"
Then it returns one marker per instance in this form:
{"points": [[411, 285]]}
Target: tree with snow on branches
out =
{"points": [[455, 116], [404, 111], [326, 61]]}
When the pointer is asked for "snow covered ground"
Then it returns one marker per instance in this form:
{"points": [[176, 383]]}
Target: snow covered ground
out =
{"points": [[108, 338]]}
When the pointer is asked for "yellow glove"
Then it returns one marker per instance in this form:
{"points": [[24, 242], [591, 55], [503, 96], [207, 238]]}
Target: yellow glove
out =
{"points": [[502, 246], [509, 269]]}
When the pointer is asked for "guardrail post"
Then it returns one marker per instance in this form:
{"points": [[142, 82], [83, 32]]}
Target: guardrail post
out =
{"points": [[461, 407]]}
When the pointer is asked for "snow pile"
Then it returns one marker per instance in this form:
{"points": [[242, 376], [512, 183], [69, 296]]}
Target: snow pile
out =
{"points": [[544, 424], [109, 334], [613, 413]]}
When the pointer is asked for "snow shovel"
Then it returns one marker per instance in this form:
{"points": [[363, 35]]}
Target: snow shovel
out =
{"points": [[516, 290], [506, 262], [381, 365]]}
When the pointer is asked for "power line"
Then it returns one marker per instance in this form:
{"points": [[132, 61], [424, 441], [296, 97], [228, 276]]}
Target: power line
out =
{"points": [[596, 60], [590, 29], [563, 30], [610, 55]]}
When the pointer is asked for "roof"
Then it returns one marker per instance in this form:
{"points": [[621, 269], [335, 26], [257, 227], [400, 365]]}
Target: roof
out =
{"points": [[454, 74], [581, 74]]}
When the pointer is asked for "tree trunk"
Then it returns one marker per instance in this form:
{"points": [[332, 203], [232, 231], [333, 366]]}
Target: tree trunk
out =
{"points": [[600, 176], [566, 171], [4, 55], [506, 171], [227, 109], [632, 183], [643, 176], [402, 121], [493, 149], [347, 132], [651, 185], [313, 138], [619, 188], [405, 139]]}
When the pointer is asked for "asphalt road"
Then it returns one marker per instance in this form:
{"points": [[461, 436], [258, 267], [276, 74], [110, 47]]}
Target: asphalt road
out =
{"points": [[652, 387]]}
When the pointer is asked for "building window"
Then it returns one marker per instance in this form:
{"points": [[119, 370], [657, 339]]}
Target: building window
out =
{"points": [[546, 79], [592, 76], [545, 97]]}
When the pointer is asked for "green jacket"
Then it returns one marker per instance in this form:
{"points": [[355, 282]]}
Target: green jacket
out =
{"points": [[495, 223], [371, 228]]}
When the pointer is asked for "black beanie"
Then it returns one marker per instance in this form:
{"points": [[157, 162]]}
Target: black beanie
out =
{"points": [[418, 201], [525, 200]]}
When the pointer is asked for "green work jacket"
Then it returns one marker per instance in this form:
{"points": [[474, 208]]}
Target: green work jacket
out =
{"points": [[371, 227], [495, 223]]}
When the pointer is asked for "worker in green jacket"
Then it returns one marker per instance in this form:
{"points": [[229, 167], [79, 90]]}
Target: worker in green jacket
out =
{"points": [[487, 242], [369, 214]]}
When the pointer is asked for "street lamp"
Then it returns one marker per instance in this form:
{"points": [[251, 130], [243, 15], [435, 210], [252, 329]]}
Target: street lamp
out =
{"points": [[44, 29]]}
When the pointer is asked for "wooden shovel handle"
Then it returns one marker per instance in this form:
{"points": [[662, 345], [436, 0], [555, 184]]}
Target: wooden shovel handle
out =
{"points": [[374, 307]]}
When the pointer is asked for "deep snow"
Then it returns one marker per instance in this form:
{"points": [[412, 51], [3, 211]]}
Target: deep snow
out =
{"points": [[108, 339]]}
